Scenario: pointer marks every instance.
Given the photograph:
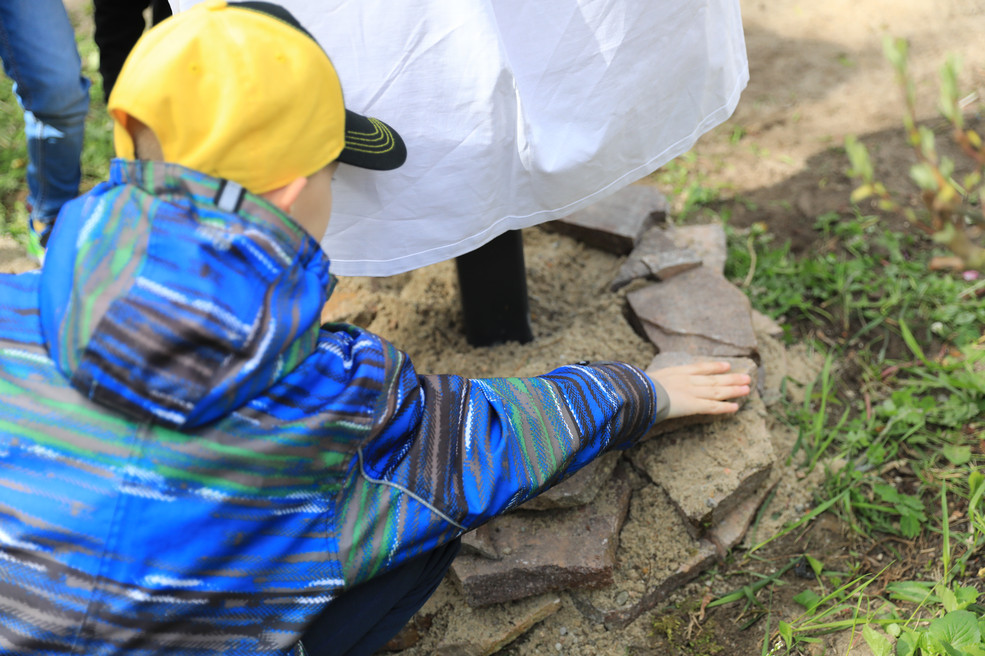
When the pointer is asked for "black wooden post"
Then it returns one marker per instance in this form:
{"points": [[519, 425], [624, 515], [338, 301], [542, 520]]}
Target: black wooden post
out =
{"points": [[493, 284]]}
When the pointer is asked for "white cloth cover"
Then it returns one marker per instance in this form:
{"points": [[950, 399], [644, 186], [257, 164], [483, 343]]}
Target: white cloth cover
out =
{"points": [[514, 112]]}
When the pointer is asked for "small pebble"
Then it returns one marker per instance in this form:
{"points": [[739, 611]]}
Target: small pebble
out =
{"points": [[557, 645], [507, 551], [564, 630], [622, 598]]}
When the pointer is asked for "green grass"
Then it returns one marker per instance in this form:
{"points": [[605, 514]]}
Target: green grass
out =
{"points": [[896, 418]]}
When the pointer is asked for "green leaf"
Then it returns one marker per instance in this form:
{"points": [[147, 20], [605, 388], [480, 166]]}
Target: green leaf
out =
{"points": [[786, 633], [878, 643], [911, 342], [909, 526], [808, 599], [924, 176], [965, 596], [912, 591], [906, 644], [816, 565], [958, 455], [886, 492], [948, 599], [975, 480], [957, 629], [861, 193]]}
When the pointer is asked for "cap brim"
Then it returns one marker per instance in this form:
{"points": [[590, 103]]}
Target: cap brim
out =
{"points": [[371, 144]]}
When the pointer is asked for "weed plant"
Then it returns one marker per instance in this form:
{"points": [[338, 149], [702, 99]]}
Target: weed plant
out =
{"points": [[896, 418]]}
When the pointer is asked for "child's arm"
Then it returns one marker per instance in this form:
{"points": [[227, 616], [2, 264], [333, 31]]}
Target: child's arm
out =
{"points": [[701, 388]]}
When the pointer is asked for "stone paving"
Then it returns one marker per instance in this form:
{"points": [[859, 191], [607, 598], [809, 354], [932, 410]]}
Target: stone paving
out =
{"points": [[704, 476]]}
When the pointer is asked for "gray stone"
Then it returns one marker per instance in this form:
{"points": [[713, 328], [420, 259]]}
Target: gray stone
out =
{"points": [[615, 223], [697, 311], [676, 358], [480, 543], [485, 631], [709, 469], [578, 490], [546, 552], [655, 256], [708, 241], [764, 325], [730, 530]]}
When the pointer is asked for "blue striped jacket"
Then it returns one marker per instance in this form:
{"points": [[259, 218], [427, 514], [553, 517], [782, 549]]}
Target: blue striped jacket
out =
{"points": [[189, 463]]}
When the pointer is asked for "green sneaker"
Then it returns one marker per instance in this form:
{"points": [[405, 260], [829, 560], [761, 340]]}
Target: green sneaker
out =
{"points": [[37, 238]]}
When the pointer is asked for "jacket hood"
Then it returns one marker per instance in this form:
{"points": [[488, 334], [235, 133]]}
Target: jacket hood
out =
{"points": [[173, 297]]}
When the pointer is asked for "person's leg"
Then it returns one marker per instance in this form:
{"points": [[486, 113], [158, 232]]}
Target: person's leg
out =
{"points": [[37, 46], [363, 619], [118, 25]]}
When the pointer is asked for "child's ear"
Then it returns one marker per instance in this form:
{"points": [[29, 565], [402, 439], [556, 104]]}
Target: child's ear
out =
{"points": [[284, 197]]}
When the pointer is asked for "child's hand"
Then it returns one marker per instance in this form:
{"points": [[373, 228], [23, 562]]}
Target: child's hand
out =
{"points": [[701, 388]]}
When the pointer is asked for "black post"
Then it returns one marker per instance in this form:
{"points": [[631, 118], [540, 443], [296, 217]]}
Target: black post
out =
{"points": [[493, 284]]}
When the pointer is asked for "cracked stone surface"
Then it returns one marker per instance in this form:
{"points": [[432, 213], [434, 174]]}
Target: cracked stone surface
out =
{"points": [[617, 222], [707, 240], [698, 312], [655, 256], [709, 469], [544, 552], [484, 631], [674, 557]]}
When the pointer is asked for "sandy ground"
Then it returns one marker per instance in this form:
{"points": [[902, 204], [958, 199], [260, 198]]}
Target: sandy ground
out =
{"points": [[817, 75]]}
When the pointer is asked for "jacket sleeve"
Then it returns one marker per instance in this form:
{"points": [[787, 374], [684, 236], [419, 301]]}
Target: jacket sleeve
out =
{"points": [[447, 453]]}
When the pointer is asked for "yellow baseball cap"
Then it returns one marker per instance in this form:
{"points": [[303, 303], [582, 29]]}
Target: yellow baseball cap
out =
{"points": [[241, 91]]}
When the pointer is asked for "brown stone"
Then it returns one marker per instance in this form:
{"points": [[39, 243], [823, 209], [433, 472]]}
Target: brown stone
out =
{"points": [[665, 557], [615, 223], [578, 490], [480, 543], [697, 311], [708, 241], [708, 470], [485, 631], [676, 358], [546, 552]]}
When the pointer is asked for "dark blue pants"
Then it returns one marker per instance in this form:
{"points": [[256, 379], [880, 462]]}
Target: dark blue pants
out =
{"points": [[363, 619]]}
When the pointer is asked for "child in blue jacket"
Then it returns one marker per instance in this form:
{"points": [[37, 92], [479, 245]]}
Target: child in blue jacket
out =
{"points": [[189, 463]]}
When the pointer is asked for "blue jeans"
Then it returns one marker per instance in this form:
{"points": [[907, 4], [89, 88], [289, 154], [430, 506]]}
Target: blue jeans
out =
{"points": [[37, 46]]}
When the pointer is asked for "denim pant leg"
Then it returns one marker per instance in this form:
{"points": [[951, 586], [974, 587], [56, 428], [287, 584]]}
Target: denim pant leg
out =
{"points": [[362, 619], [37, 46]]}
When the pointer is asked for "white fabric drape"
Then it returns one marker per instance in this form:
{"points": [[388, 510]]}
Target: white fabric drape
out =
{"points": [[514, 112]]}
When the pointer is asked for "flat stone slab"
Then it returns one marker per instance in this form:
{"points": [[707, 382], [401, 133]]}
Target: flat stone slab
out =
{"points": [[698, 312], [615, 223], [480, 543], [676, 358], [655, 256], [578, 490], [547, 552], [673, 557], [709, 469], [707, 240], [485, 631], [730, 530]]}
